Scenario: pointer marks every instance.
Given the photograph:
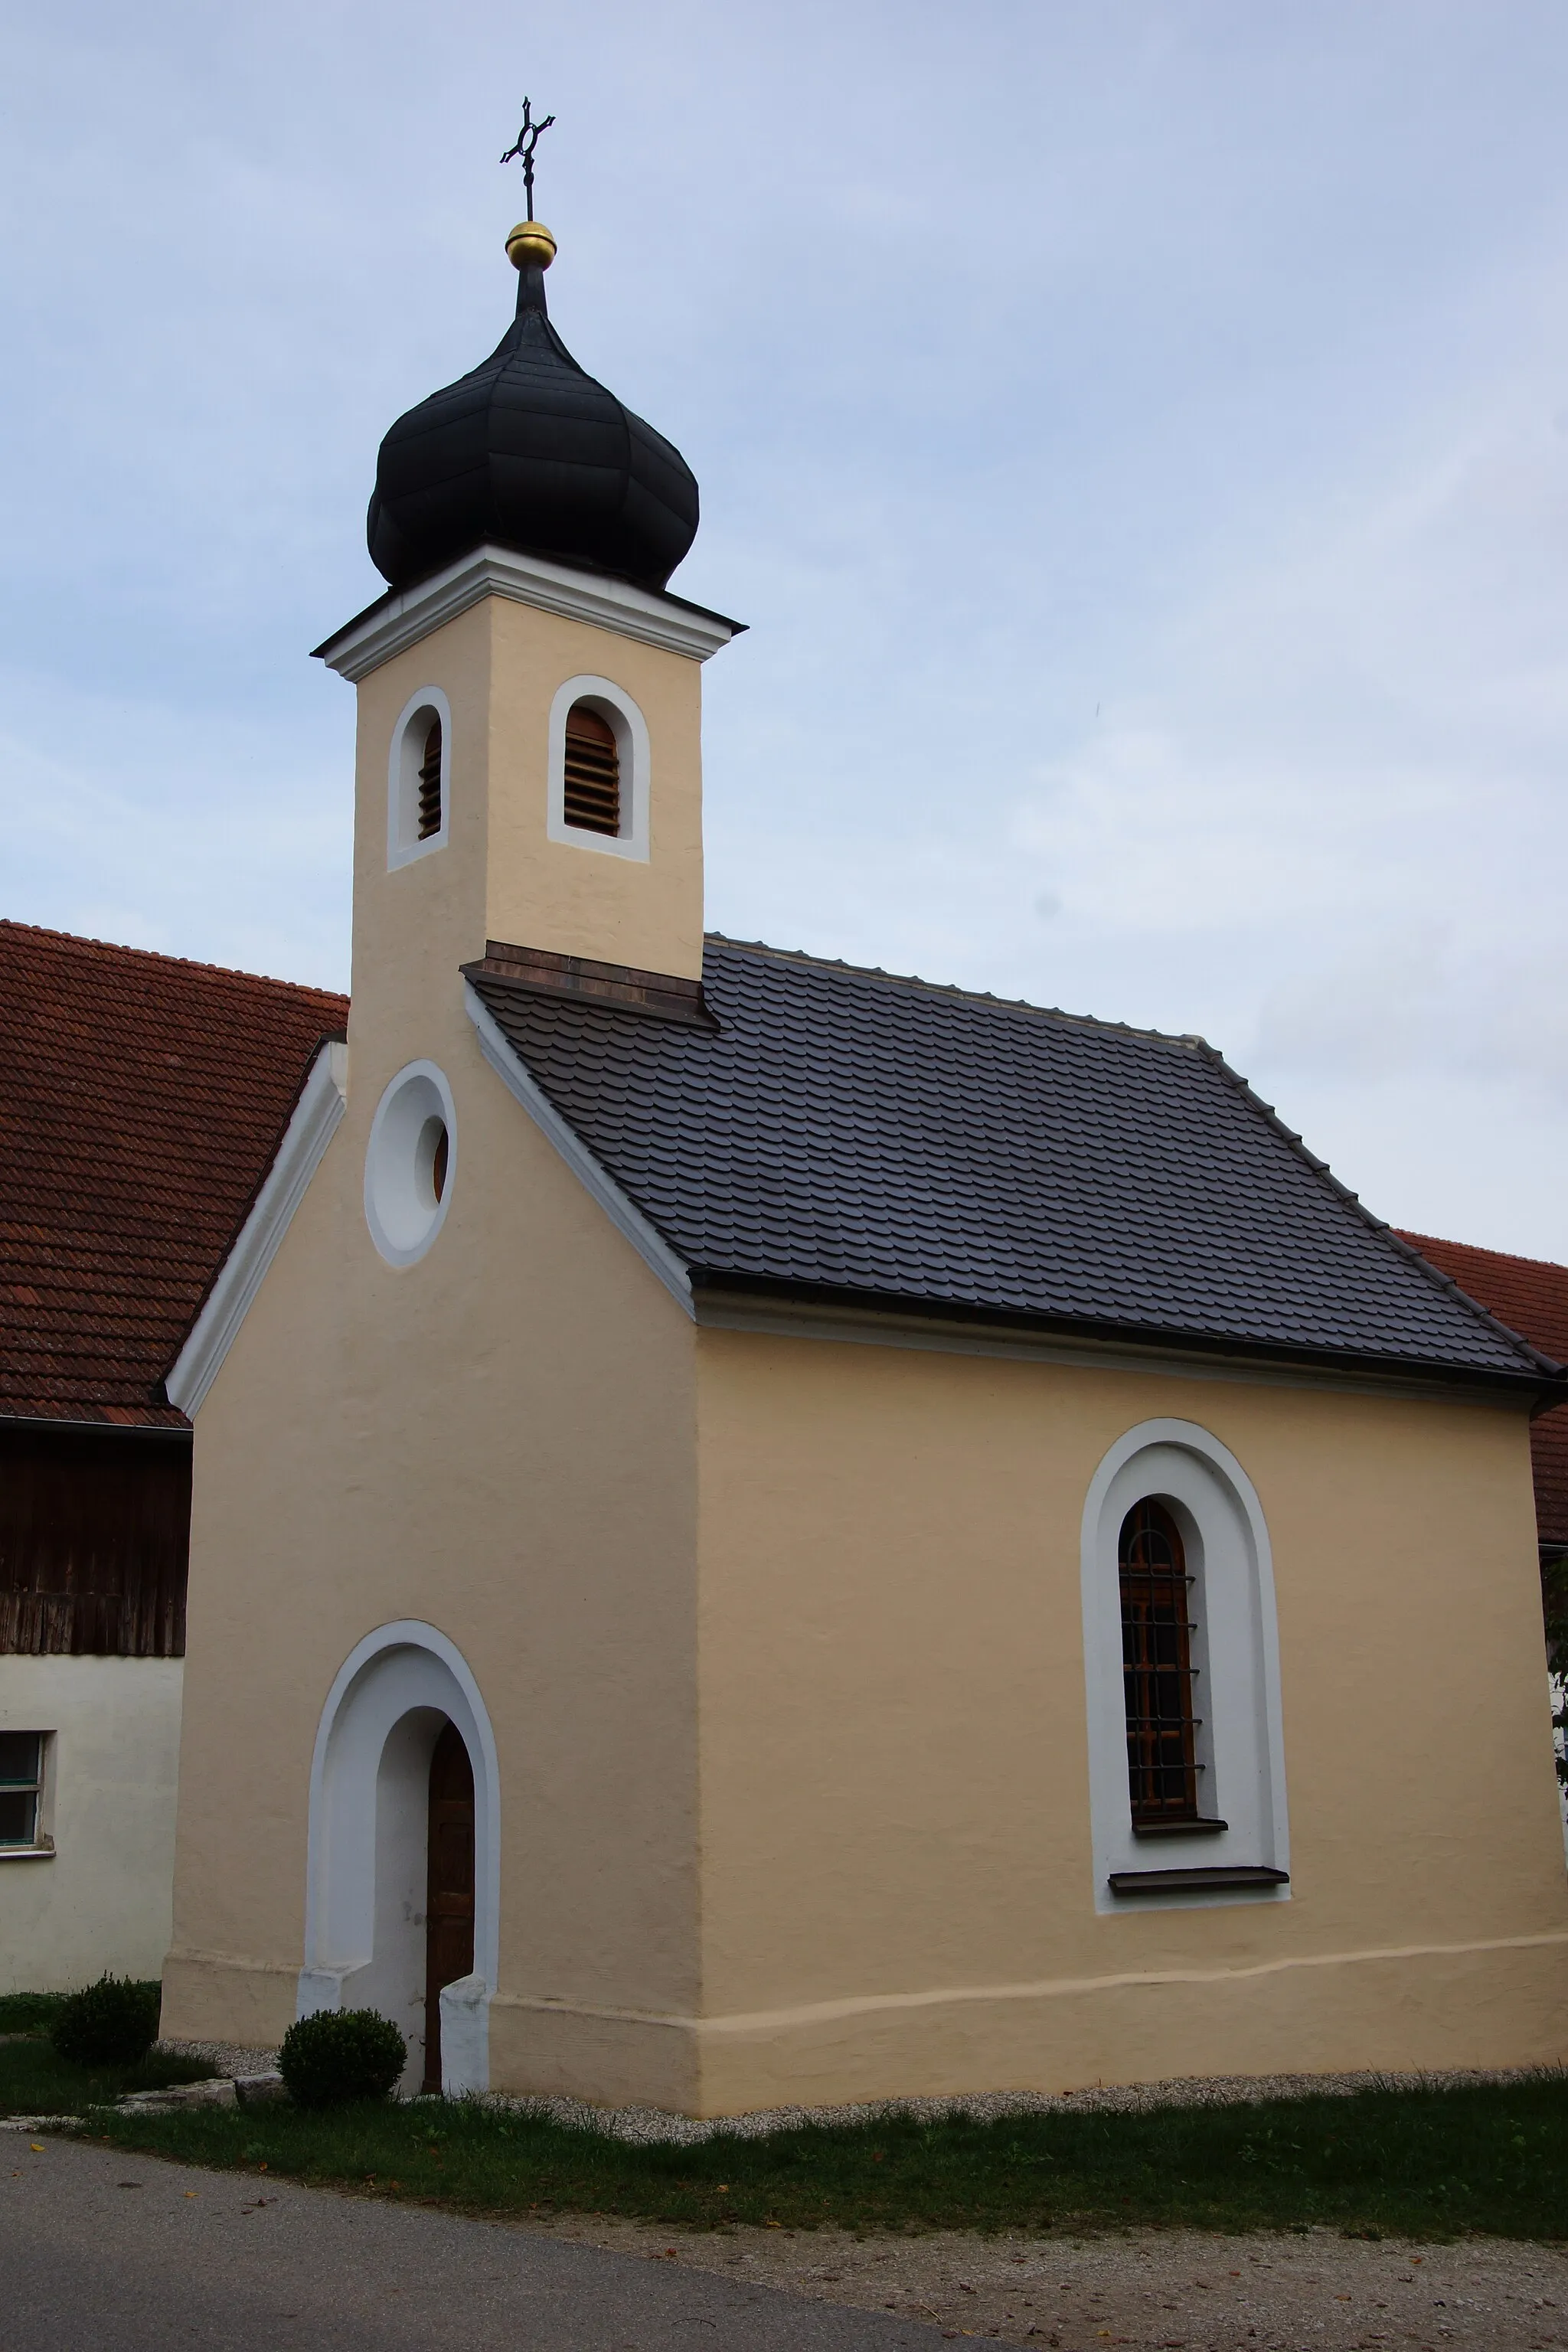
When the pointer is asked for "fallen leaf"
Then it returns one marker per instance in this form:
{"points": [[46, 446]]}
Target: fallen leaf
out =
{"points": [[36, 2145]]}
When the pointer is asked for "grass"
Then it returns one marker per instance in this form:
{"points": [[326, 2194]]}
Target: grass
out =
{"points": [[35, 2082], [1424, 2164]]}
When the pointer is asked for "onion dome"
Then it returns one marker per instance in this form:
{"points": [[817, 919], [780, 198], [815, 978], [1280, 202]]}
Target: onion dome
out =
{"points": [[528, 452]]}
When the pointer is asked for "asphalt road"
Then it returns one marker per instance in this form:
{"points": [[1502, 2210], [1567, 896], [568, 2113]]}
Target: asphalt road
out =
{"points": [[105, 2252]]}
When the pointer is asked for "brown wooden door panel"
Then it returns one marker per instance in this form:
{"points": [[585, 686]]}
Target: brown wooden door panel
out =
{"points": [[449, 1900]]}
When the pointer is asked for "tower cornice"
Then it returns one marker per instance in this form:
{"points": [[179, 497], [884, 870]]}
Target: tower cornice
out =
{"points": [[404, 615]]}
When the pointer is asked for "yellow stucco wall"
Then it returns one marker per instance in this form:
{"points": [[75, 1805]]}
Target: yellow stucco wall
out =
{"points": [[498, 1439], [898, 1879], [781, 1639]]}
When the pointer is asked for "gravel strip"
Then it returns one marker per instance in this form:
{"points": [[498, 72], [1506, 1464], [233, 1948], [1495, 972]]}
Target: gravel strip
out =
{"points": [[224, 2057], [654, 2124], [657, 2125]]}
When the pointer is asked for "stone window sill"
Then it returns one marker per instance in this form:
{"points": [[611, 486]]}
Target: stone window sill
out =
{"points": [[1223, 1878]]}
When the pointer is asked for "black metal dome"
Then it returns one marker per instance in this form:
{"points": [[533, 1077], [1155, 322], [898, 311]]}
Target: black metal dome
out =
{"points": [[528, 452]]}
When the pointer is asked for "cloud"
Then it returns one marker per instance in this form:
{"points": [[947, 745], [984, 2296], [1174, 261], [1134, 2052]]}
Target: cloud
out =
{"points": [[1136, 440]]}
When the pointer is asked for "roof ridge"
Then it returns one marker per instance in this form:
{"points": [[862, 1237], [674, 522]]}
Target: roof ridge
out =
{"points": [[8, 923], [1379, 1225], [955, 990]]}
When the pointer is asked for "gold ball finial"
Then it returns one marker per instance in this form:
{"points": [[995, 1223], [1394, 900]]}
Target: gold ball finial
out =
{"points": [[530, 245]]}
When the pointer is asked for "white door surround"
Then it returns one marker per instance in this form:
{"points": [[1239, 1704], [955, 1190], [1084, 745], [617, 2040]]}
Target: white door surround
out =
{"points": [[403, 1678]]}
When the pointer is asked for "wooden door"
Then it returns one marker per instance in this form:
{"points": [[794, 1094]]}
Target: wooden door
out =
{"points": [[450, 1901]]}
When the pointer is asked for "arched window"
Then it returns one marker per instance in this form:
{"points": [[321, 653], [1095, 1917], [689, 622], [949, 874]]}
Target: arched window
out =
{"points": [[419, 778], [593, 782], [1156, 1666], [430, 782]]}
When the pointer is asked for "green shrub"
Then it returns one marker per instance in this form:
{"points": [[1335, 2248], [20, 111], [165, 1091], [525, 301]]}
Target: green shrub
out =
{"points": [[113, 2023], [341, 2055]]}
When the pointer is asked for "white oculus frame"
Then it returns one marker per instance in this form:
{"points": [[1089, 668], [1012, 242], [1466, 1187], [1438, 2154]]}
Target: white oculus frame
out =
{"points": [[404, 760], [1236, 1649], [614, 706], [407, 1186], [366, 1851]]}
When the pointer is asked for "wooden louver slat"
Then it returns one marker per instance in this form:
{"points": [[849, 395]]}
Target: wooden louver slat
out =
{"points": [[430, 783], [593, 800]]}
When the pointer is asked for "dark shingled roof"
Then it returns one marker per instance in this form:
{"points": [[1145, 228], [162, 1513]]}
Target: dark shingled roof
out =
{"points": [[872, 1139], [141, 1102], [1531, 1296]]}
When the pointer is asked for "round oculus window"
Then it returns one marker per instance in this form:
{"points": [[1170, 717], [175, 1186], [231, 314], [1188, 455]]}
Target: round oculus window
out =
{"points": [[410, 1163]]}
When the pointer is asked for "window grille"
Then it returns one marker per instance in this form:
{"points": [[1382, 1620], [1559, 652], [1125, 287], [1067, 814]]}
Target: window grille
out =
{"points": [[1156, 1667], [21, 1759], [430, 783], [593, 796]]}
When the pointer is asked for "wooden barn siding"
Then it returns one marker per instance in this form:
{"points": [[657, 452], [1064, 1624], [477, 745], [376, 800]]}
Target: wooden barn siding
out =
{"points": [[94, 1542]]}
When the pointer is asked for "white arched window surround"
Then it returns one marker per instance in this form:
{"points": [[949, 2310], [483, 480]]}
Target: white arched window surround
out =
{"points": [[400, 1669], [403, 761], [1237, 1648], [614, 706]]}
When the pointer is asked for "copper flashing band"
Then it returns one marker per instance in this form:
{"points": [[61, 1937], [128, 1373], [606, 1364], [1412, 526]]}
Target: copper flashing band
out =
{"points": [[656, 995]]}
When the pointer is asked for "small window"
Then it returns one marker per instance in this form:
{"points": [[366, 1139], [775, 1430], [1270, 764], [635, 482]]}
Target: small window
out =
{"points": [[21, 1782], [593, 792], [430, 782], [1157, 1670], [433, 1149], [410, 1163], [419, 780]]}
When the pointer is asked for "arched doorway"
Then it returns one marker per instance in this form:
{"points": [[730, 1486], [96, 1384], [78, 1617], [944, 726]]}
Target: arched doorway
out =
{"points": [[403, 1692], [449, 1900]]}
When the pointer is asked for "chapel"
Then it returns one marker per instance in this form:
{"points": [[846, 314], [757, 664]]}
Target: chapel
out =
{"points": [[767, 1533]]}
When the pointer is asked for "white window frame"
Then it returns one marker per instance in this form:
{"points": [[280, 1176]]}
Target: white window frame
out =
{"points": [[403, 761], [1236, 1648], [43, 1845], [614, 706]]}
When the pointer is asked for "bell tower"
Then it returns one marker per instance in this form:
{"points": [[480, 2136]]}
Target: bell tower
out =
{"points": [[529, 760]]}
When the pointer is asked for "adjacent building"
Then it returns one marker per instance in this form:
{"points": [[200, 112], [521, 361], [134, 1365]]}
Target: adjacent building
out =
{"points": [[140, 1102]]}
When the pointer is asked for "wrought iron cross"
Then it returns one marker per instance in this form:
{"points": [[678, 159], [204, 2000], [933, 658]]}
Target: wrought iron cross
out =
{"points": [[528, 139]]}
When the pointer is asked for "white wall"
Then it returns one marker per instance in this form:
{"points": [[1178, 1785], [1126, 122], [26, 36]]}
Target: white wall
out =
{"points": [[104, 1899], [392, 1978]]}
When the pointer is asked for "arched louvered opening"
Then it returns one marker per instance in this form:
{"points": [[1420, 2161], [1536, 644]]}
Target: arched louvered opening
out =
{"points": [[430, 782], [593, 793], [1156, 1667]]}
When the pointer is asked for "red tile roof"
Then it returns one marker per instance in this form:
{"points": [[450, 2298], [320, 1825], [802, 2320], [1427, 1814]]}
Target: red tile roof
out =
{"points": [[1531, 1296], [141, 1100]]}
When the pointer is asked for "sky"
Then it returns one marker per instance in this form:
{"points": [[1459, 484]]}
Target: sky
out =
{"points": [[1136, 436]]}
